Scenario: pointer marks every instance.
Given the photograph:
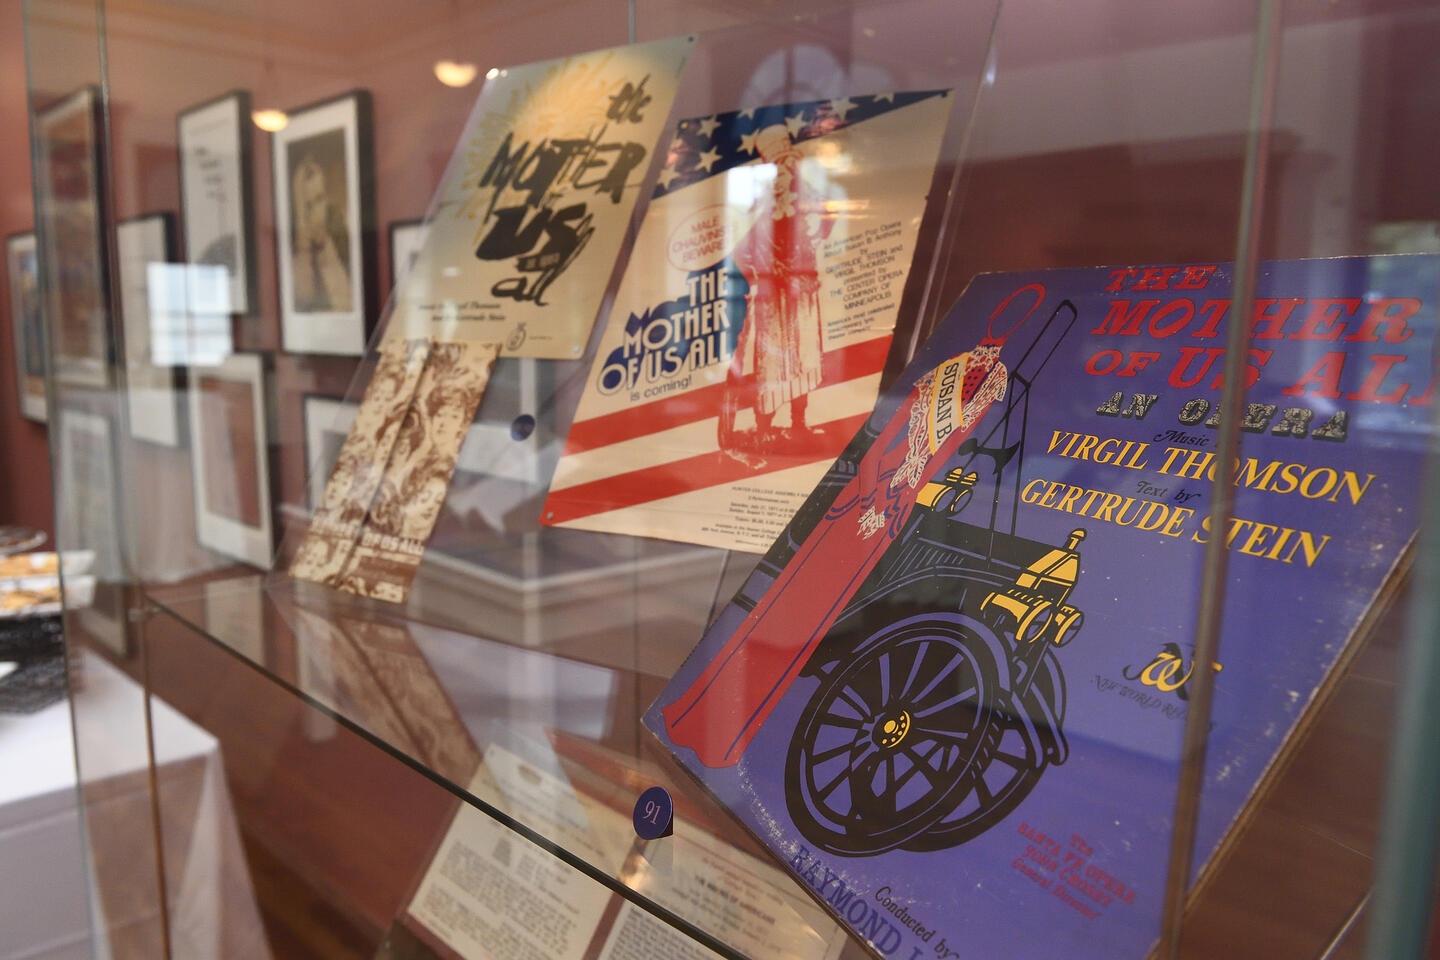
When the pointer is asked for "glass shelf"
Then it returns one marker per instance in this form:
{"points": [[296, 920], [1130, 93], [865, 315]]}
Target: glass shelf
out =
{"points": [[526, 729]]}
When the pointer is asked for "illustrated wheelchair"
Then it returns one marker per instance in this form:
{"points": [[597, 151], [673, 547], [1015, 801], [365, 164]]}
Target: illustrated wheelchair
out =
{"points": [[940, 700]]}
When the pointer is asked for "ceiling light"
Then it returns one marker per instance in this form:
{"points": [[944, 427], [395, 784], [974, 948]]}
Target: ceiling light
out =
{"points": [[454, 74], [271, 120]]}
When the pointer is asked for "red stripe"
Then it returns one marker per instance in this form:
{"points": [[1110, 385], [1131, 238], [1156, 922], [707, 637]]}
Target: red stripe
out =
{"points": [[837, 366], [679, 476]]}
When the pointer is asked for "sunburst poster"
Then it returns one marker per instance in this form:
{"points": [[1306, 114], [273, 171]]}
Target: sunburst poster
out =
{"points": [[527, 224]]}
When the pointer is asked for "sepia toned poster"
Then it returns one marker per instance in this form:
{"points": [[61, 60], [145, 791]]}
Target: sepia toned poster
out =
{"points": [[325, 550], [959, 680], [417, 476], [526, 227], [747, 340]]}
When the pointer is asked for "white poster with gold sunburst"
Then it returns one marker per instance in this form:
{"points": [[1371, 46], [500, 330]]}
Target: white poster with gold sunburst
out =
{"points": [[528, 221]]}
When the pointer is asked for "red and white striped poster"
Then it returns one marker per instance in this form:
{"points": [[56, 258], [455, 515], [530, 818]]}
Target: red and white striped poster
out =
{"points": [[747, 338]]}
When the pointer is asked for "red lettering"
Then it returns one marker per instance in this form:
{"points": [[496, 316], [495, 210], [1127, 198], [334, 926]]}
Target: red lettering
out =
{"points": [[1139, 360], [1325, 375], [1195, 278], [1424, 398], [1323, 321], [1396, 329], [1217, 310], [1265, 325], [1186, 307], [1156, 278], [1118, 278], [1112, 358], [1187, 357], [1125, 319], [1258, 359], [1379, 370]]}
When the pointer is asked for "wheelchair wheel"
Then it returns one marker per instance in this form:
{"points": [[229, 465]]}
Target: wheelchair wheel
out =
{"points": [[1006, 771], [888, 743]]}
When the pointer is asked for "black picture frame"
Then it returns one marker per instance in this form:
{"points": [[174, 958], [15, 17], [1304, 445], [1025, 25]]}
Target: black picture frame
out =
{"points": [[332, 307], [27, 322], [74, 252], [213, 118]]}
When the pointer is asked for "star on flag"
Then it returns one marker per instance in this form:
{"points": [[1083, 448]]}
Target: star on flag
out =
{"points": [[795, 124], [841, 106], [707, 160], [708, 125]]}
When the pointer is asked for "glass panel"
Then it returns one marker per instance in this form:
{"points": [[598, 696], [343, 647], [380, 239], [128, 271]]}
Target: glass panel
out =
{"points": [[69, 120], [404, 694], [1339, 182]]}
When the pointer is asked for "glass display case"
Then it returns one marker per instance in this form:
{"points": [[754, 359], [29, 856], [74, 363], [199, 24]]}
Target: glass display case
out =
{"points": [[427, 380]]}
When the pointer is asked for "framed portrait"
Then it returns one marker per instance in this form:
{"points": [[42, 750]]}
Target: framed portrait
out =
{"points": [[230, 458], [151, 396], [407, 239], [324, 226], [215, 193], [327, 424], [68, 194], [28, 323]]}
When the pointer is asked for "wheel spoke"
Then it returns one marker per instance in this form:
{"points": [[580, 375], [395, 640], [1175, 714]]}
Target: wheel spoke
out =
{"points": [[835, 720], [1010, 759], [831, 753], [851, 697], [920, 765], [982, 790], [920, 652], [948, 737], [824, 792], [948, 669], [968, 693], [884, 662]]}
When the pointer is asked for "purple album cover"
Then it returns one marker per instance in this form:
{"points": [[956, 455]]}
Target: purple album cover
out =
{"points": [[954, 689]]}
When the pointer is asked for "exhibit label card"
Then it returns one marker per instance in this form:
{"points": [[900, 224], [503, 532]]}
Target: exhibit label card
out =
{"points": [[524, 234], [952, 695], [749, 333], [490, 894]]}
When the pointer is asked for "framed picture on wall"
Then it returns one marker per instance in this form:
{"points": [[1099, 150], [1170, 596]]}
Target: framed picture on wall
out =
{"points": [[68, 194], [27, 321], [215, 192], [230, 458], [151, 396], [324, 226], [327, 423]]}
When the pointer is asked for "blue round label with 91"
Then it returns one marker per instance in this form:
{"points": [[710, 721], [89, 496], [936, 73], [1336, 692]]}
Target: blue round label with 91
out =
{"points": [[654, 813]]}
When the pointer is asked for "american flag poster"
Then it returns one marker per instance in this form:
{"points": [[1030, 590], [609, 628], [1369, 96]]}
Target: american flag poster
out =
{"points": [[747, 338]]}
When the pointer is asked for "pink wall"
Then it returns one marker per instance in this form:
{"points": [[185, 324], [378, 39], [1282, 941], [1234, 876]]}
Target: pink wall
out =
{"points": [[25, 495]]}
